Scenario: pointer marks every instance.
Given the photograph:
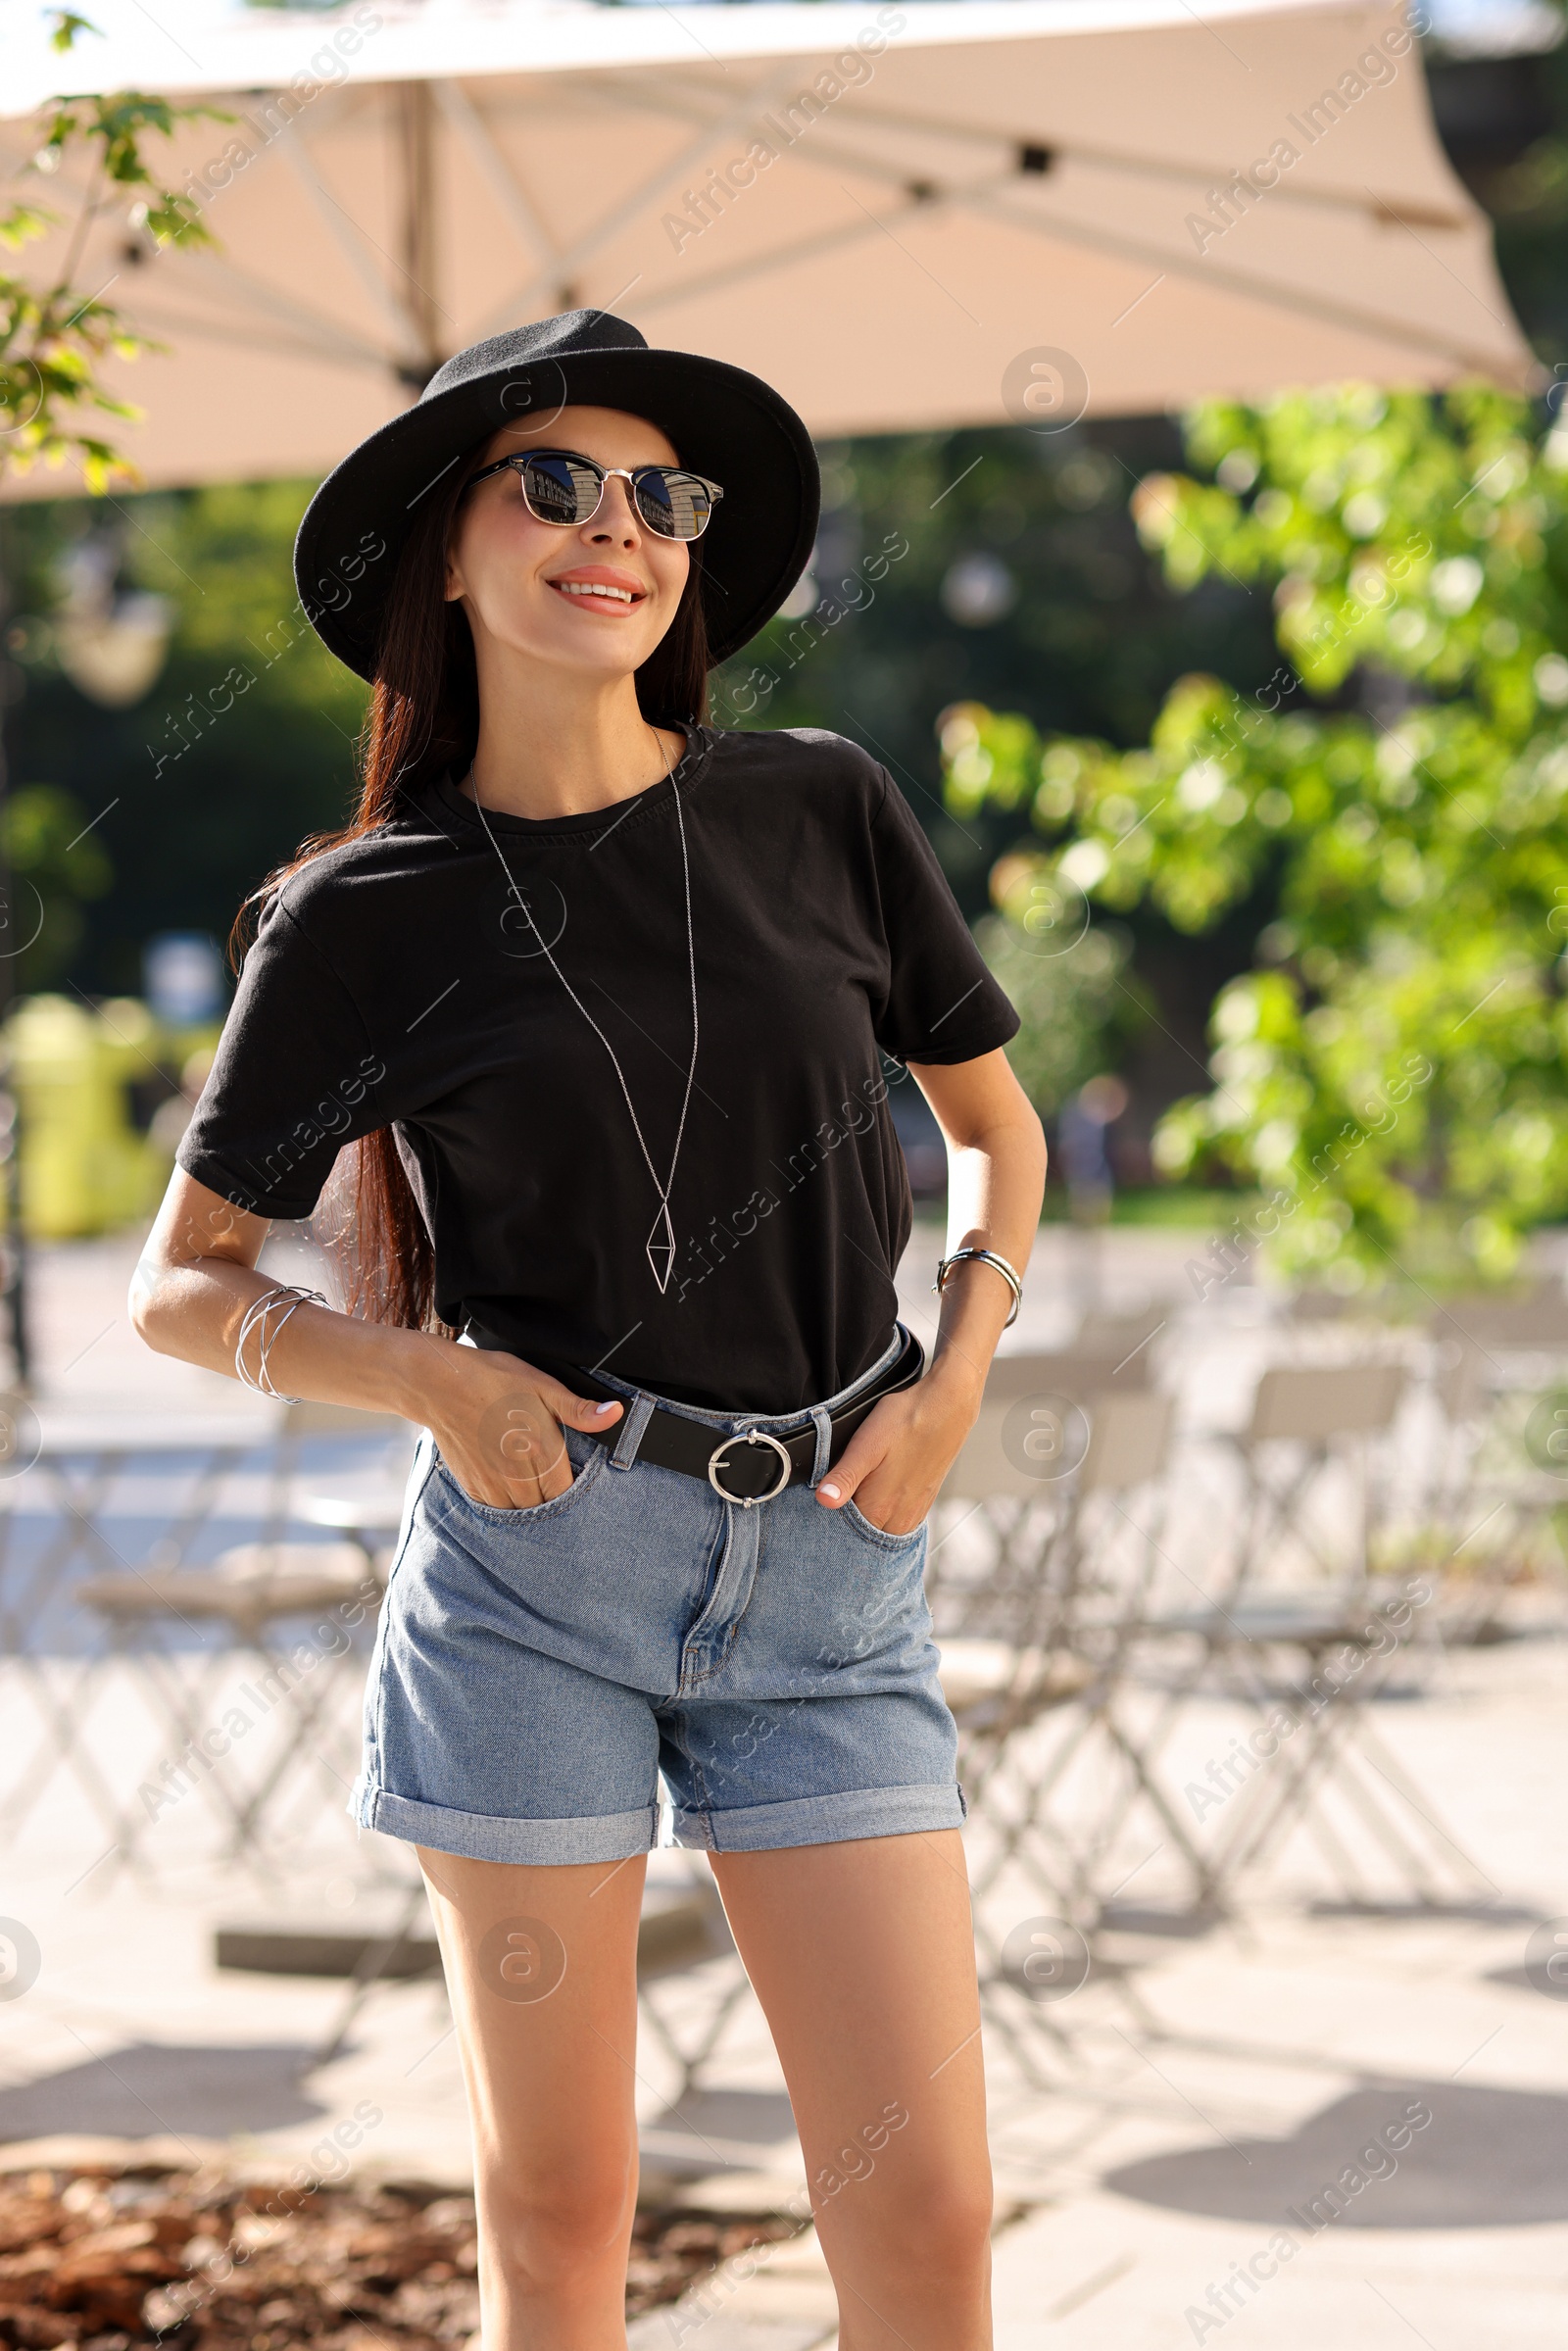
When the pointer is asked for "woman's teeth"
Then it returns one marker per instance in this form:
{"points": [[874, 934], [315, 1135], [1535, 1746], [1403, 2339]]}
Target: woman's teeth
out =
{"points": [[587, 587]]}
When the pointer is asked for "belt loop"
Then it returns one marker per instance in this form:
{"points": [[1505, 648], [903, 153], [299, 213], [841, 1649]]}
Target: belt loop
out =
{"points": [[822, 1422], [639, 1412]]}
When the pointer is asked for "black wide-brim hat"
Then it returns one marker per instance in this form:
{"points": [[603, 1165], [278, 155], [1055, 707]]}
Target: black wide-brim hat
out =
{"points": [[722, 422]]}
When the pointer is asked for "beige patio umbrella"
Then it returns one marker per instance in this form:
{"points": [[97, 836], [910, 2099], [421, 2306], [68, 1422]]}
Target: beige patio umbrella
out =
{"points": [[907, 215]]}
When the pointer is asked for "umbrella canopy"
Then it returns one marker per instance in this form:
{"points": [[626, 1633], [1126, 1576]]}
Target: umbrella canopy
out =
{"points": [[915, 214]]}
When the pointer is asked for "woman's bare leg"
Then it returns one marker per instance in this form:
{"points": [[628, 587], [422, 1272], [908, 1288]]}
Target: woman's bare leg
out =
{"points": [[541, 1966], [863, 1955]]}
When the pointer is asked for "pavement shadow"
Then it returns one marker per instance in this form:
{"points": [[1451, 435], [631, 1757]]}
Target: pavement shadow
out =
{"points": [[720, 2130], [153, 2088], [1488, 2158]]}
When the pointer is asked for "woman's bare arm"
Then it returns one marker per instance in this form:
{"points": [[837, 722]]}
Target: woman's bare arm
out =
{"points": [[495, 1418], [899, 1457]]}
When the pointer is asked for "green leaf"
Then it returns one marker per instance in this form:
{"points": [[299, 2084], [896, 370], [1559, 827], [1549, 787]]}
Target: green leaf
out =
{"points": [[1395, 1068]]}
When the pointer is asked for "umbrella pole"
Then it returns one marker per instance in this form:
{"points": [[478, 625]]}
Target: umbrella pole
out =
{"points": [[416, 103], [13, 1272]]}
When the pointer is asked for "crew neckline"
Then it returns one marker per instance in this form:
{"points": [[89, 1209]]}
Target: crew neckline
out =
{"points": [[599, 821]]}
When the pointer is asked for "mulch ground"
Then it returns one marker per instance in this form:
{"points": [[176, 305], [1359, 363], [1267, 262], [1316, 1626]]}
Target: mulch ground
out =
{"points": [[199, 2262]]}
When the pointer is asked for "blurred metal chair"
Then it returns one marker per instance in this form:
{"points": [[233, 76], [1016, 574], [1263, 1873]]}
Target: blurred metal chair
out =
{"points": [[364, 1502], [1334, 1765], [1237, 1644], [79, 1461], [176, 1627], [1327, 1414], [1032, 1433], [1115, 1339], [1500, 1497], [250, 1591], [1032, 1641], [682, 1931]]}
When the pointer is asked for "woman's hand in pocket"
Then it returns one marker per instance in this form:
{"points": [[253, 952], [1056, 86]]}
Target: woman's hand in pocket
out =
{"points": [[498, 1422], [894, 1464]]}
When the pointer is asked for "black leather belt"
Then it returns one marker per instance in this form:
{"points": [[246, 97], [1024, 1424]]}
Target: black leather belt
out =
{"points": [[755, 1465]]}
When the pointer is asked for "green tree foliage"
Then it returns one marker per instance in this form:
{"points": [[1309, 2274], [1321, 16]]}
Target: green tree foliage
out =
{"points": [[1067, 1003], [243, 748], [1081, 632], [1393, 1070], [55, 334], [56, 865]]}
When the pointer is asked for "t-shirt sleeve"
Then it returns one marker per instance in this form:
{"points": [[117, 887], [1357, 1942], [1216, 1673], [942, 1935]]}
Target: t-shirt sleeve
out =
{"points": [[294, 1079], [942, 1004]]}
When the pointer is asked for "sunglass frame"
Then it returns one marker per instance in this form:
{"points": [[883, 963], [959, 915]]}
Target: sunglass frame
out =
{"points": [[520, 459]]}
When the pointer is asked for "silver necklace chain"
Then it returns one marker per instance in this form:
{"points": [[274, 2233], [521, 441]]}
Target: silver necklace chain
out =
{"points": [[660, 1242]]}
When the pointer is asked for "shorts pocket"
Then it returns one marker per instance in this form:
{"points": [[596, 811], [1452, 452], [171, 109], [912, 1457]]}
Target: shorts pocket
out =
{"points": [[503, 1515], [879, 1535]]}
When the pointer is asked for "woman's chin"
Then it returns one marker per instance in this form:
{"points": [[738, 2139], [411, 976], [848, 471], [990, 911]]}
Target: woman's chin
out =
{"points": [[601, 649]]}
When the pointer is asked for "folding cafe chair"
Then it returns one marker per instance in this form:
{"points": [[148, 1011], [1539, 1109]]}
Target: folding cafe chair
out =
{"points": [[1032, 1431], [78, 1462], [1326, 1414], [247, 1597], [1501, 1384], [1322, 1414], [1032, 1642]]}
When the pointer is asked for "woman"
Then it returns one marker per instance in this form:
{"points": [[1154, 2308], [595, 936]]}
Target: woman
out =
{"points": [[598, 994]]}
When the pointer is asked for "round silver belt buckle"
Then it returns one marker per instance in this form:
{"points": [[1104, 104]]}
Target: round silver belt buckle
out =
{"points": [[748, 1502]]}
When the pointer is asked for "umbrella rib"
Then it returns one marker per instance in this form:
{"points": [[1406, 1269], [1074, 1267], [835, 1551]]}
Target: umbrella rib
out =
{"points": [[648, 192], [1162, 167], [1237, 281], [346, 233], [782, 256], [980, 198], [465, 118], [257, 336], [324, 335], [667, 99]]}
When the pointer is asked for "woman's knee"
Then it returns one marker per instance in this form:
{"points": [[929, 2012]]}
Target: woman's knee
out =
{"points": [[546, 2227], [934, 2228]]}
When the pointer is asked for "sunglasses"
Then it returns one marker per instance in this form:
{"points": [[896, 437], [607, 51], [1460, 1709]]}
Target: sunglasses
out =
{"points": [[560, 486]]}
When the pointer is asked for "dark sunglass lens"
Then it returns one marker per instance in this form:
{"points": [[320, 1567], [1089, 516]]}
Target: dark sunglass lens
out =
{"points": [[675, 504], [560, 489]]}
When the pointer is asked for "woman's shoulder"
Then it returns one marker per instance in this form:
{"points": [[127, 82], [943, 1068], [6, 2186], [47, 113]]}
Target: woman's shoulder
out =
{"points": [[344, 898], [806, 758], [333, 881]]}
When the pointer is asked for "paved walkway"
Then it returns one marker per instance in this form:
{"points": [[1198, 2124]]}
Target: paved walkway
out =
{"points": [[1338, 2126]]}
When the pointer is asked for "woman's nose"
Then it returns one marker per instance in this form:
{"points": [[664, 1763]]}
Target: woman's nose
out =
{"points": [[618, 518]]}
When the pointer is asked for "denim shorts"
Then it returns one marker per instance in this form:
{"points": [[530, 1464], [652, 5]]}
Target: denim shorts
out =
{"points": [[538, 1672]]}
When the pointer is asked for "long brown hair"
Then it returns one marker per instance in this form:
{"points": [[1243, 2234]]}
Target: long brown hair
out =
{"points": [[423, 721]]}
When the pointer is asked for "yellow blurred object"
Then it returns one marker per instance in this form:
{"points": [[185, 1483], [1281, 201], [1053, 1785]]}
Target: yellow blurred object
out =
{"points": [[85, 1166]]}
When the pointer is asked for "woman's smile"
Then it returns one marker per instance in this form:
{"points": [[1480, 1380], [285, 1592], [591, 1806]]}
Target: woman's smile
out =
{"points": [[600, 588]]}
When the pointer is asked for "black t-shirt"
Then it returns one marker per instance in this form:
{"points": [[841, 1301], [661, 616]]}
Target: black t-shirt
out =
{"points": [[395, 981]]}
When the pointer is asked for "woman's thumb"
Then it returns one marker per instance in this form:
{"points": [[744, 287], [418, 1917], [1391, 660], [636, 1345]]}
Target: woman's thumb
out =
{"points": [[580, 1411]]}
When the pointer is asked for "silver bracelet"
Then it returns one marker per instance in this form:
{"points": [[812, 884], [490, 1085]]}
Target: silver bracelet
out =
{"points": [[256, 1315], [983, 1256]]}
